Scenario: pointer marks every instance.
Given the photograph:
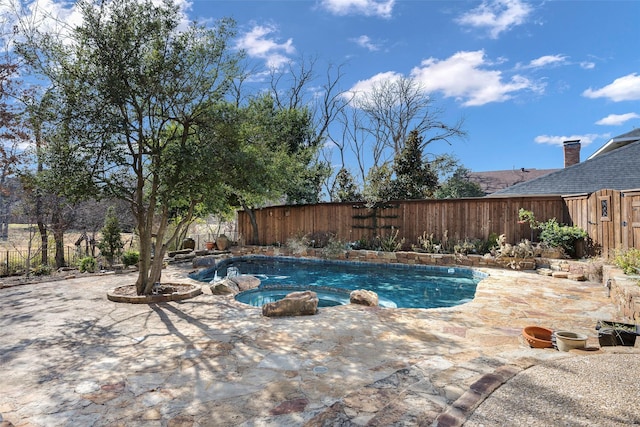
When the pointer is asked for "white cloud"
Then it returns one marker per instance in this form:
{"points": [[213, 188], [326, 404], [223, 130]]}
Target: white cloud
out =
{"points": [[617, 119], [366, 86], [587, 65], [367, 43], [626, 88], [257, 44], [546, 61], [465, 76], [559, 140], [496, 16], [381, 8]]}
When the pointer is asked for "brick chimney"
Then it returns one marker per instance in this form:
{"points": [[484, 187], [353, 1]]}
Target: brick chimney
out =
{"points": [[571, 152]]}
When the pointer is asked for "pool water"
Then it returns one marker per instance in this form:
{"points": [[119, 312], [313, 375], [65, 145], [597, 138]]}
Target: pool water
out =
{"points": [[404, 286]]}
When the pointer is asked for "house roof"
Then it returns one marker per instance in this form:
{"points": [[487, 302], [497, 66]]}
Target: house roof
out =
{"points": [[616, 170], [492, 181], [617, 142]]}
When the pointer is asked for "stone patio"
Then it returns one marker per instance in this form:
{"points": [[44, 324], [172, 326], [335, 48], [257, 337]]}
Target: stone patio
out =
{"points": [[68, 356]]}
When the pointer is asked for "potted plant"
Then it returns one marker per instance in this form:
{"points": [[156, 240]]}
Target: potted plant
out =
{"points": [[615, 333]]}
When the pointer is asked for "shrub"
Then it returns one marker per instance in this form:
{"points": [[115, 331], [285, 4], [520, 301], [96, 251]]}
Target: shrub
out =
{"points": [[111, 244], [298, 244], [87, 264], [334, 248], [320, 239], [553, 234], [563, 236], [130, 257], [41, 270], [628, 261], [390, 242], [428, 244]]}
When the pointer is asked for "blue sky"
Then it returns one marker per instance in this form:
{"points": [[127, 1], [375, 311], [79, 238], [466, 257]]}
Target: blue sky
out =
{"points": [[525, 76]]}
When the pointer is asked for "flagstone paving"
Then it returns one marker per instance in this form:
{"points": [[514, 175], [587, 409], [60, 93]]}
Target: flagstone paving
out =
{"points": [[68, 356]]}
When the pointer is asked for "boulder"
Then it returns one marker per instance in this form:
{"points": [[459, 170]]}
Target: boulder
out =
{"points": [[364, 297], [234, 285], [294, 304], [224, 287], [245, 282]]}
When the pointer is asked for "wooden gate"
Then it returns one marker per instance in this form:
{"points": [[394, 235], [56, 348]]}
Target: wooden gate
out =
{"points": [[610, 217], [631, 219]]}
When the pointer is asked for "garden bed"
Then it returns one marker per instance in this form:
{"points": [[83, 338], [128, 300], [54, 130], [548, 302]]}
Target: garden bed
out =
{"points": [[163, 293]]}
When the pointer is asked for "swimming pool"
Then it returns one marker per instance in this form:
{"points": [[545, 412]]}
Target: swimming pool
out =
{"points": [[404, 286]]}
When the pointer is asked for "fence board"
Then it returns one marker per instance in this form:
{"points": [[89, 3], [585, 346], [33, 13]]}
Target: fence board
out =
{"points": [[460, 218]]}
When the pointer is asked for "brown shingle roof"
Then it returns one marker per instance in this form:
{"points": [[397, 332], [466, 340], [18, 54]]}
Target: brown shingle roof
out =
{"points": [[492, 181]]}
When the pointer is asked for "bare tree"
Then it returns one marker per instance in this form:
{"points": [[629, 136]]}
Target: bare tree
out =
{"points": [[395, 107]]}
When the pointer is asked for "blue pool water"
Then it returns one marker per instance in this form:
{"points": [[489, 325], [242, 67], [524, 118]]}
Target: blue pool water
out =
{"points": [[404, 286]]}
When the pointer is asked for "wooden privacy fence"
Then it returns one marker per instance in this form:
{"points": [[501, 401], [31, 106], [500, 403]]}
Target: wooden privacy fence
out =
{"points": [[459, 218], [611, 217]]}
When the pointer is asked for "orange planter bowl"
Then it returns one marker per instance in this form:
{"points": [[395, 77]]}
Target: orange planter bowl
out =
{"points": [[537, 336]]}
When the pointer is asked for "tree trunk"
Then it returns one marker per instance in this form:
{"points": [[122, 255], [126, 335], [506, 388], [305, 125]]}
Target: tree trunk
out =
{"points": [[44, 242], [142, 284], [58, 236], [58, 228], [255, 239]]}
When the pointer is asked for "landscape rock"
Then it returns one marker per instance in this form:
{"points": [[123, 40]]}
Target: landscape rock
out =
{"points": [[294, 304], [225, 287], [234, 285], [364, 297], [245, 282]]}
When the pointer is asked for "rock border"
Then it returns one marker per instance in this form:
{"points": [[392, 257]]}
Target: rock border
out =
{"points": [[193, 291]]}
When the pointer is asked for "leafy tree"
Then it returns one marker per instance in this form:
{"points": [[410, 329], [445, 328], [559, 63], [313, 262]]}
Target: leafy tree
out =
{"points": [[273, 156], [111, 244], [414, 177], [459, 185], [379, 186], [141, 102], [345, 189], [13, 135]]}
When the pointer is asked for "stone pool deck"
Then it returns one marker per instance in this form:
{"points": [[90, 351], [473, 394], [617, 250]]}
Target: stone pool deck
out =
{"points": [[68, 356]]}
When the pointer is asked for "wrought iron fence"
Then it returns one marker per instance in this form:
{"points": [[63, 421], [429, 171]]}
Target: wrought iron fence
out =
{"points": [[14, 262]]}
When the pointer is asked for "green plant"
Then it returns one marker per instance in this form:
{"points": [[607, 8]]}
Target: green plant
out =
{"points": [[130, 257], [563, 236], [41, 270], [111, 244], [466, 247], [428, 244], [361, 244], [487, 246], [298, 244], [390, 243], [553, 234], [334, 248], [87, 264], [628, 261]]}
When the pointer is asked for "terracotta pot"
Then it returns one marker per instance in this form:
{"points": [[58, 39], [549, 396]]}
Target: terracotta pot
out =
{"points": [[209, 245], [537, 336]]}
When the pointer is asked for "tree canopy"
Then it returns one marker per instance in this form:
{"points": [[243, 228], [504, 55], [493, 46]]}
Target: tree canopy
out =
{"points": [[139, 102], [145, 112]]}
